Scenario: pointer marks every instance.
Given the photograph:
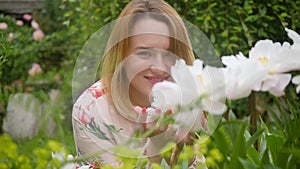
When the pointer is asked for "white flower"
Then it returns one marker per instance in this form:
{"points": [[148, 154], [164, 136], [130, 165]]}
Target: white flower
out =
{"points": [[296, 81], [242, 75], [276, 84], [266, 53], [211, 88], [276, 59], [288, 58], [191, 120], [60, 156], [187, 82], [166, 95], [290, 54], [196, 81], [295, 37], [69, 165], [191, 83]]}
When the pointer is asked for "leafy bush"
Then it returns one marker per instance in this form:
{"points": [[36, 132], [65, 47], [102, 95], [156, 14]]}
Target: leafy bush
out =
{"points": [[232, 26], [40, 157]]}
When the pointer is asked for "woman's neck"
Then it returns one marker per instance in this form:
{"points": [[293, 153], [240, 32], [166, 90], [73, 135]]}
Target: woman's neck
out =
{"points": [[138, 99]]}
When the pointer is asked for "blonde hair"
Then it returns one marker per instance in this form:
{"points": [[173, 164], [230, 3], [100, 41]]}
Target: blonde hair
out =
{"points": [[118, 45]]}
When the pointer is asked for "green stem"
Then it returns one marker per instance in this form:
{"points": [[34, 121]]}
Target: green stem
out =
{"points": [[253, 115]]}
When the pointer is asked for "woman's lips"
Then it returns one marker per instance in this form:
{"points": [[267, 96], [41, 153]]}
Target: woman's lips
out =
{"points": [[155, 79]]}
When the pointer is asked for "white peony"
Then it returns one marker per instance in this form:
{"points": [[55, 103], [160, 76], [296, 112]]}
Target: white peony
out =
{"points": [[242, 75], [166, 95], [296, 81], [277, 59], [190, 84]]}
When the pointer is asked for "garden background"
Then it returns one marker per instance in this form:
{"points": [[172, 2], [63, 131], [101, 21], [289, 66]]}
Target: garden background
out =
{"points": [[261, 131]]}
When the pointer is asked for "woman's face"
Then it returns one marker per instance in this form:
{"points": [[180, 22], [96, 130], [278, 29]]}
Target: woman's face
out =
{"points": [[149, 59]]}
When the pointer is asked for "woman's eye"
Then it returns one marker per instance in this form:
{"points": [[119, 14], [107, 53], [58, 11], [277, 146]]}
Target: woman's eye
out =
{"points": [[143, 53]]}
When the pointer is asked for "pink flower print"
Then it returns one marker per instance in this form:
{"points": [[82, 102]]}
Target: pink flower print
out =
{"points": [[19, 23], [137, 109], [144, 110], [3, 26], [27, 17], [91, 105], [169, 111], [35, 25], [96, 91], [158, 111], [85, 118], [35, 69], [38, 35], [146, 115]]}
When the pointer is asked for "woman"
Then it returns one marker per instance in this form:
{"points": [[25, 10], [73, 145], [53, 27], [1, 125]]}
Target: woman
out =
{"points": [[145, 42]]}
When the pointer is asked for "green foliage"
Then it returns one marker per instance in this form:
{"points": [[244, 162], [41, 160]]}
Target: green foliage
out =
{"points": [[275, 146], [52, 53], [19, 54], [40, 156], [4, 50], [234, 26], [81, 21]]}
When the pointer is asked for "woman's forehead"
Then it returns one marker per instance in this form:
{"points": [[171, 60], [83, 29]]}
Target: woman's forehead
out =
{"points": [[149, 26], [149, 40]]}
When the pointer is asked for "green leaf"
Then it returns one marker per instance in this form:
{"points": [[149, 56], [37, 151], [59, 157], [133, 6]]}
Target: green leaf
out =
{"points": [[275, 117], [254, 156], [185, 164], [254, 138], [274, 144], [239, 148], [164, 164], [247, 164], [222, 142]]}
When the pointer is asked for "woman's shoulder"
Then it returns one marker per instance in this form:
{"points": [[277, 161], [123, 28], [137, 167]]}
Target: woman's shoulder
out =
{"points": [[91, 104], [94, 92]]}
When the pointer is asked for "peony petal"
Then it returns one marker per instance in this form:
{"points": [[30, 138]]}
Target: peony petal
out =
{"points": [[186, 81], [293, 35], [241, 79], [276, 84], [166, 95], [191, 121], [214, 107], [298, 89], [296, 79]]}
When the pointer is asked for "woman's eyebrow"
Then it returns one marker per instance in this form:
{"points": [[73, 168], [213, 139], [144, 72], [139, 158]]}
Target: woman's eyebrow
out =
{"points": [[142, 47], [145, 47]]}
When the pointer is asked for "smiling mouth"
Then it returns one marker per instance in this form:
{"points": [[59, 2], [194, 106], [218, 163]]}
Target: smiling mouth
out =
{"points": [[156, 79]]}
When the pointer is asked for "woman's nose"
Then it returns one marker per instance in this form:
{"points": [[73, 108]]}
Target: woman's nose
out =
{"points": [[160, 65]]}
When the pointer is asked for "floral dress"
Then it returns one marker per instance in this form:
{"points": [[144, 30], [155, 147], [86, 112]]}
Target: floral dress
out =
{"points": [[98, 128]]}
